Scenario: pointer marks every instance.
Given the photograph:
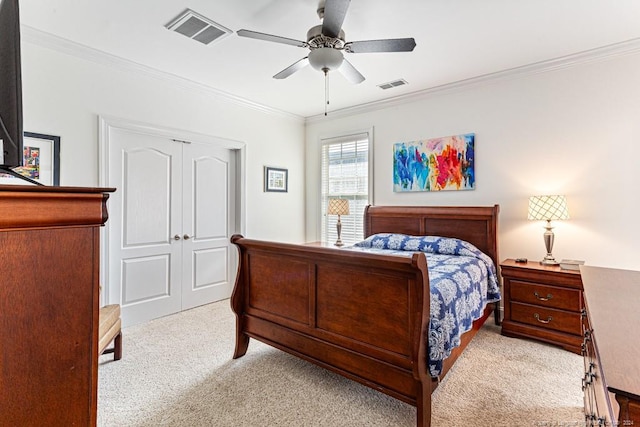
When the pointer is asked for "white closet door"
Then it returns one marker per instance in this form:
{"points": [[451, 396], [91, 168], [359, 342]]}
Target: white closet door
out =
{"points": [[145, 232], [208, 194]]}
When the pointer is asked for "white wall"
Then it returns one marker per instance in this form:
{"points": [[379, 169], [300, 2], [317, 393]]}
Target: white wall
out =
{"points": [[574, 131], [64, 94]]}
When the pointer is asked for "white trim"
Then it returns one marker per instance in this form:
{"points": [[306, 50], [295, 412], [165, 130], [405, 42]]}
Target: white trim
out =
{"points": [[371, 170], [629, 47], [50, 41], [167, 132]]}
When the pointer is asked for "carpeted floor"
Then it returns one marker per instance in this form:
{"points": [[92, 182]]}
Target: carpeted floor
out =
{"points": [[178, 371]]}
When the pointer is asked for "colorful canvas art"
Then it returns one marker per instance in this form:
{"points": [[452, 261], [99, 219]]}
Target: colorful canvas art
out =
{"points": [[436, 164]]}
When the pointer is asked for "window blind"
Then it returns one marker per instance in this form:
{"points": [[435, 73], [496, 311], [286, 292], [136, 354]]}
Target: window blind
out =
{"points": [[345, 175]]}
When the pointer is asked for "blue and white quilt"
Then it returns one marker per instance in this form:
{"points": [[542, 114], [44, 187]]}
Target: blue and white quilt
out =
{"points": [[462, 279]]}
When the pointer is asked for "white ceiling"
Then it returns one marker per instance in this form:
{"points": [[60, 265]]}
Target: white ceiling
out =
{"points": [[456, 40]]}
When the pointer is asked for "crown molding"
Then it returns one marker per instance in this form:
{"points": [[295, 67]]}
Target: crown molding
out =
{"points": [[605, 53], [59, 44], [50, 41]]}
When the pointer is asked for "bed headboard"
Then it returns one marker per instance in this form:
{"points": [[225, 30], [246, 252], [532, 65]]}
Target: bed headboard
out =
{"points": [[477, 225]]}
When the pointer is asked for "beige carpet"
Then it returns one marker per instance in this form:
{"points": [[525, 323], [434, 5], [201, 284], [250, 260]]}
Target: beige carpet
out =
{"points": [[178, 371]]}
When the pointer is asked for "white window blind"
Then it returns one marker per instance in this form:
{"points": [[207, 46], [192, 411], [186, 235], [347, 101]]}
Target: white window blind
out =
{"points": [[345, 175]]}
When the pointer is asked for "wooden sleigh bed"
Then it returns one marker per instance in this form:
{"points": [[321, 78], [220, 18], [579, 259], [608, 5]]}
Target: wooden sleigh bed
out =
{"points": [[364, 316]]}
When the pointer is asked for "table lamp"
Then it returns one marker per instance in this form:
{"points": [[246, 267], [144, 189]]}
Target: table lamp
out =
{"points": [[548, 208], [338, 207]]}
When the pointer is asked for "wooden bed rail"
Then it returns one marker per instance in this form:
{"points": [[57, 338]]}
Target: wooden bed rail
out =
{"points": [[361, 315]]}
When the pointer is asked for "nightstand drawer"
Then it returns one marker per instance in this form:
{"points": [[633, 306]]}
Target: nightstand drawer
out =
{"points": [[547, 318], [542, 302], [545, 296]]}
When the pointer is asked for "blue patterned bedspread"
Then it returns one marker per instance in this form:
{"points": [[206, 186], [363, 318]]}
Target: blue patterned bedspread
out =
{"points": [[462, 279]]}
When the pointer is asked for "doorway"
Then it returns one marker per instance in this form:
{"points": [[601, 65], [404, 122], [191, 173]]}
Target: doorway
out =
{"points": [[170, 219]]}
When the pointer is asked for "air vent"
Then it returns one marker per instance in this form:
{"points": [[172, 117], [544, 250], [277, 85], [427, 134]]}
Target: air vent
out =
{"points": [[197, 27], [395, 83]]}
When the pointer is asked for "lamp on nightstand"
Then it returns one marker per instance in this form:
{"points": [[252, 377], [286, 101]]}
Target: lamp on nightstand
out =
{"points": [[338, 207], [548, 208]]}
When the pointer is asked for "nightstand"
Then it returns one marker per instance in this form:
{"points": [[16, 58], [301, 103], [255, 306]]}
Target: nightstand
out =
{"points": [[543, 303]]}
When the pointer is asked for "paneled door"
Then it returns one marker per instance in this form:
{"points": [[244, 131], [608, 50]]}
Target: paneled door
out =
{"points": [[207, 256], [171, 219]]}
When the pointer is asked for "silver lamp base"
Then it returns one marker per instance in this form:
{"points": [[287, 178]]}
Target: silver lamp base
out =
{"points": [[339, 227], [549, 261], [548, 243]]}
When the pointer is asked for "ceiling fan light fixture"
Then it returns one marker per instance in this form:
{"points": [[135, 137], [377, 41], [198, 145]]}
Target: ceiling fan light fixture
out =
{"points": [[325, 58]]}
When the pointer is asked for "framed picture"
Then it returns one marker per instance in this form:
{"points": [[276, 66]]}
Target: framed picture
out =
{"points": [[276, 179], [41, 160]]}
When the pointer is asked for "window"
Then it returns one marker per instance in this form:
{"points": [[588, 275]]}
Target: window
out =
{"points": [[345, 175]]}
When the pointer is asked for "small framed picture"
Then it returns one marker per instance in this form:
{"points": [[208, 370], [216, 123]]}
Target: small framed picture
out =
{"points": [[276, 179], [41, 161]]}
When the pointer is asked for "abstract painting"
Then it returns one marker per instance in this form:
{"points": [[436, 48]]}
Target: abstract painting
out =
{"points": [[436, 164]]}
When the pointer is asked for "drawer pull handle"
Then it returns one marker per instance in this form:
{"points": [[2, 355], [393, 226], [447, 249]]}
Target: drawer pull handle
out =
{"points": [[537, 316], [547, 298]]}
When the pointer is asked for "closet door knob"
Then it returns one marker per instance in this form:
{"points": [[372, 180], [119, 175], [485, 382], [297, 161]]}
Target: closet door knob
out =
{"points": [[186, 237], [176, 237]]}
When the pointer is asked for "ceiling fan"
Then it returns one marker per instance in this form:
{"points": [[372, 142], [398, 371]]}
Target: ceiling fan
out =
{"points": [[327, 42]]}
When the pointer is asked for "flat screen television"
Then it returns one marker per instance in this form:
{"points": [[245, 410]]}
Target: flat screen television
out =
{"points": [[11, 132]]}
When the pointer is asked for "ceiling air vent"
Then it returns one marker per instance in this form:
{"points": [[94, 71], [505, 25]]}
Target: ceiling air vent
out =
{"points": [[197, 27], [395, 83]]}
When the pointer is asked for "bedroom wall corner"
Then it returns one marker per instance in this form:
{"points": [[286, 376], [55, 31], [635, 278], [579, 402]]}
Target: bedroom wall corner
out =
{"points": [[65, 93], [573, 131]]}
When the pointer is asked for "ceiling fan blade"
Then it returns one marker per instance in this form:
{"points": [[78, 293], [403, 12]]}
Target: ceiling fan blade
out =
{"points": [[271, 38], [350, 72], [292, 68], [334, 13], [387, 45]]}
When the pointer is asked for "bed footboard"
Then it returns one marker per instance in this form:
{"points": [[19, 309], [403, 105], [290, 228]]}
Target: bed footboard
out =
{"points": [[363, 316]]}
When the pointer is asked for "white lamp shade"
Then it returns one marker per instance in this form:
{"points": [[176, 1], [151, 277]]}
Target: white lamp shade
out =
{"points": [[325, 58], [548, 208], [338, 207]]}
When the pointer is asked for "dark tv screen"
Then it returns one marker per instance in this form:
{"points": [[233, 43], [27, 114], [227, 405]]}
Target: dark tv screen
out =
{"points": [[10, 85]]}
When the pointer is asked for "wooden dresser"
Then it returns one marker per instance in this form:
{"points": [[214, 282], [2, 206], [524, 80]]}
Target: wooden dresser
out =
{"points": [[542, 302], [612, 346], [49, 297]]}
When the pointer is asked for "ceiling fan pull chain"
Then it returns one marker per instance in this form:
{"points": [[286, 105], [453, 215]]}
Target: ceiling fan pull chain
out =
{"points": [[326, 90]]}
